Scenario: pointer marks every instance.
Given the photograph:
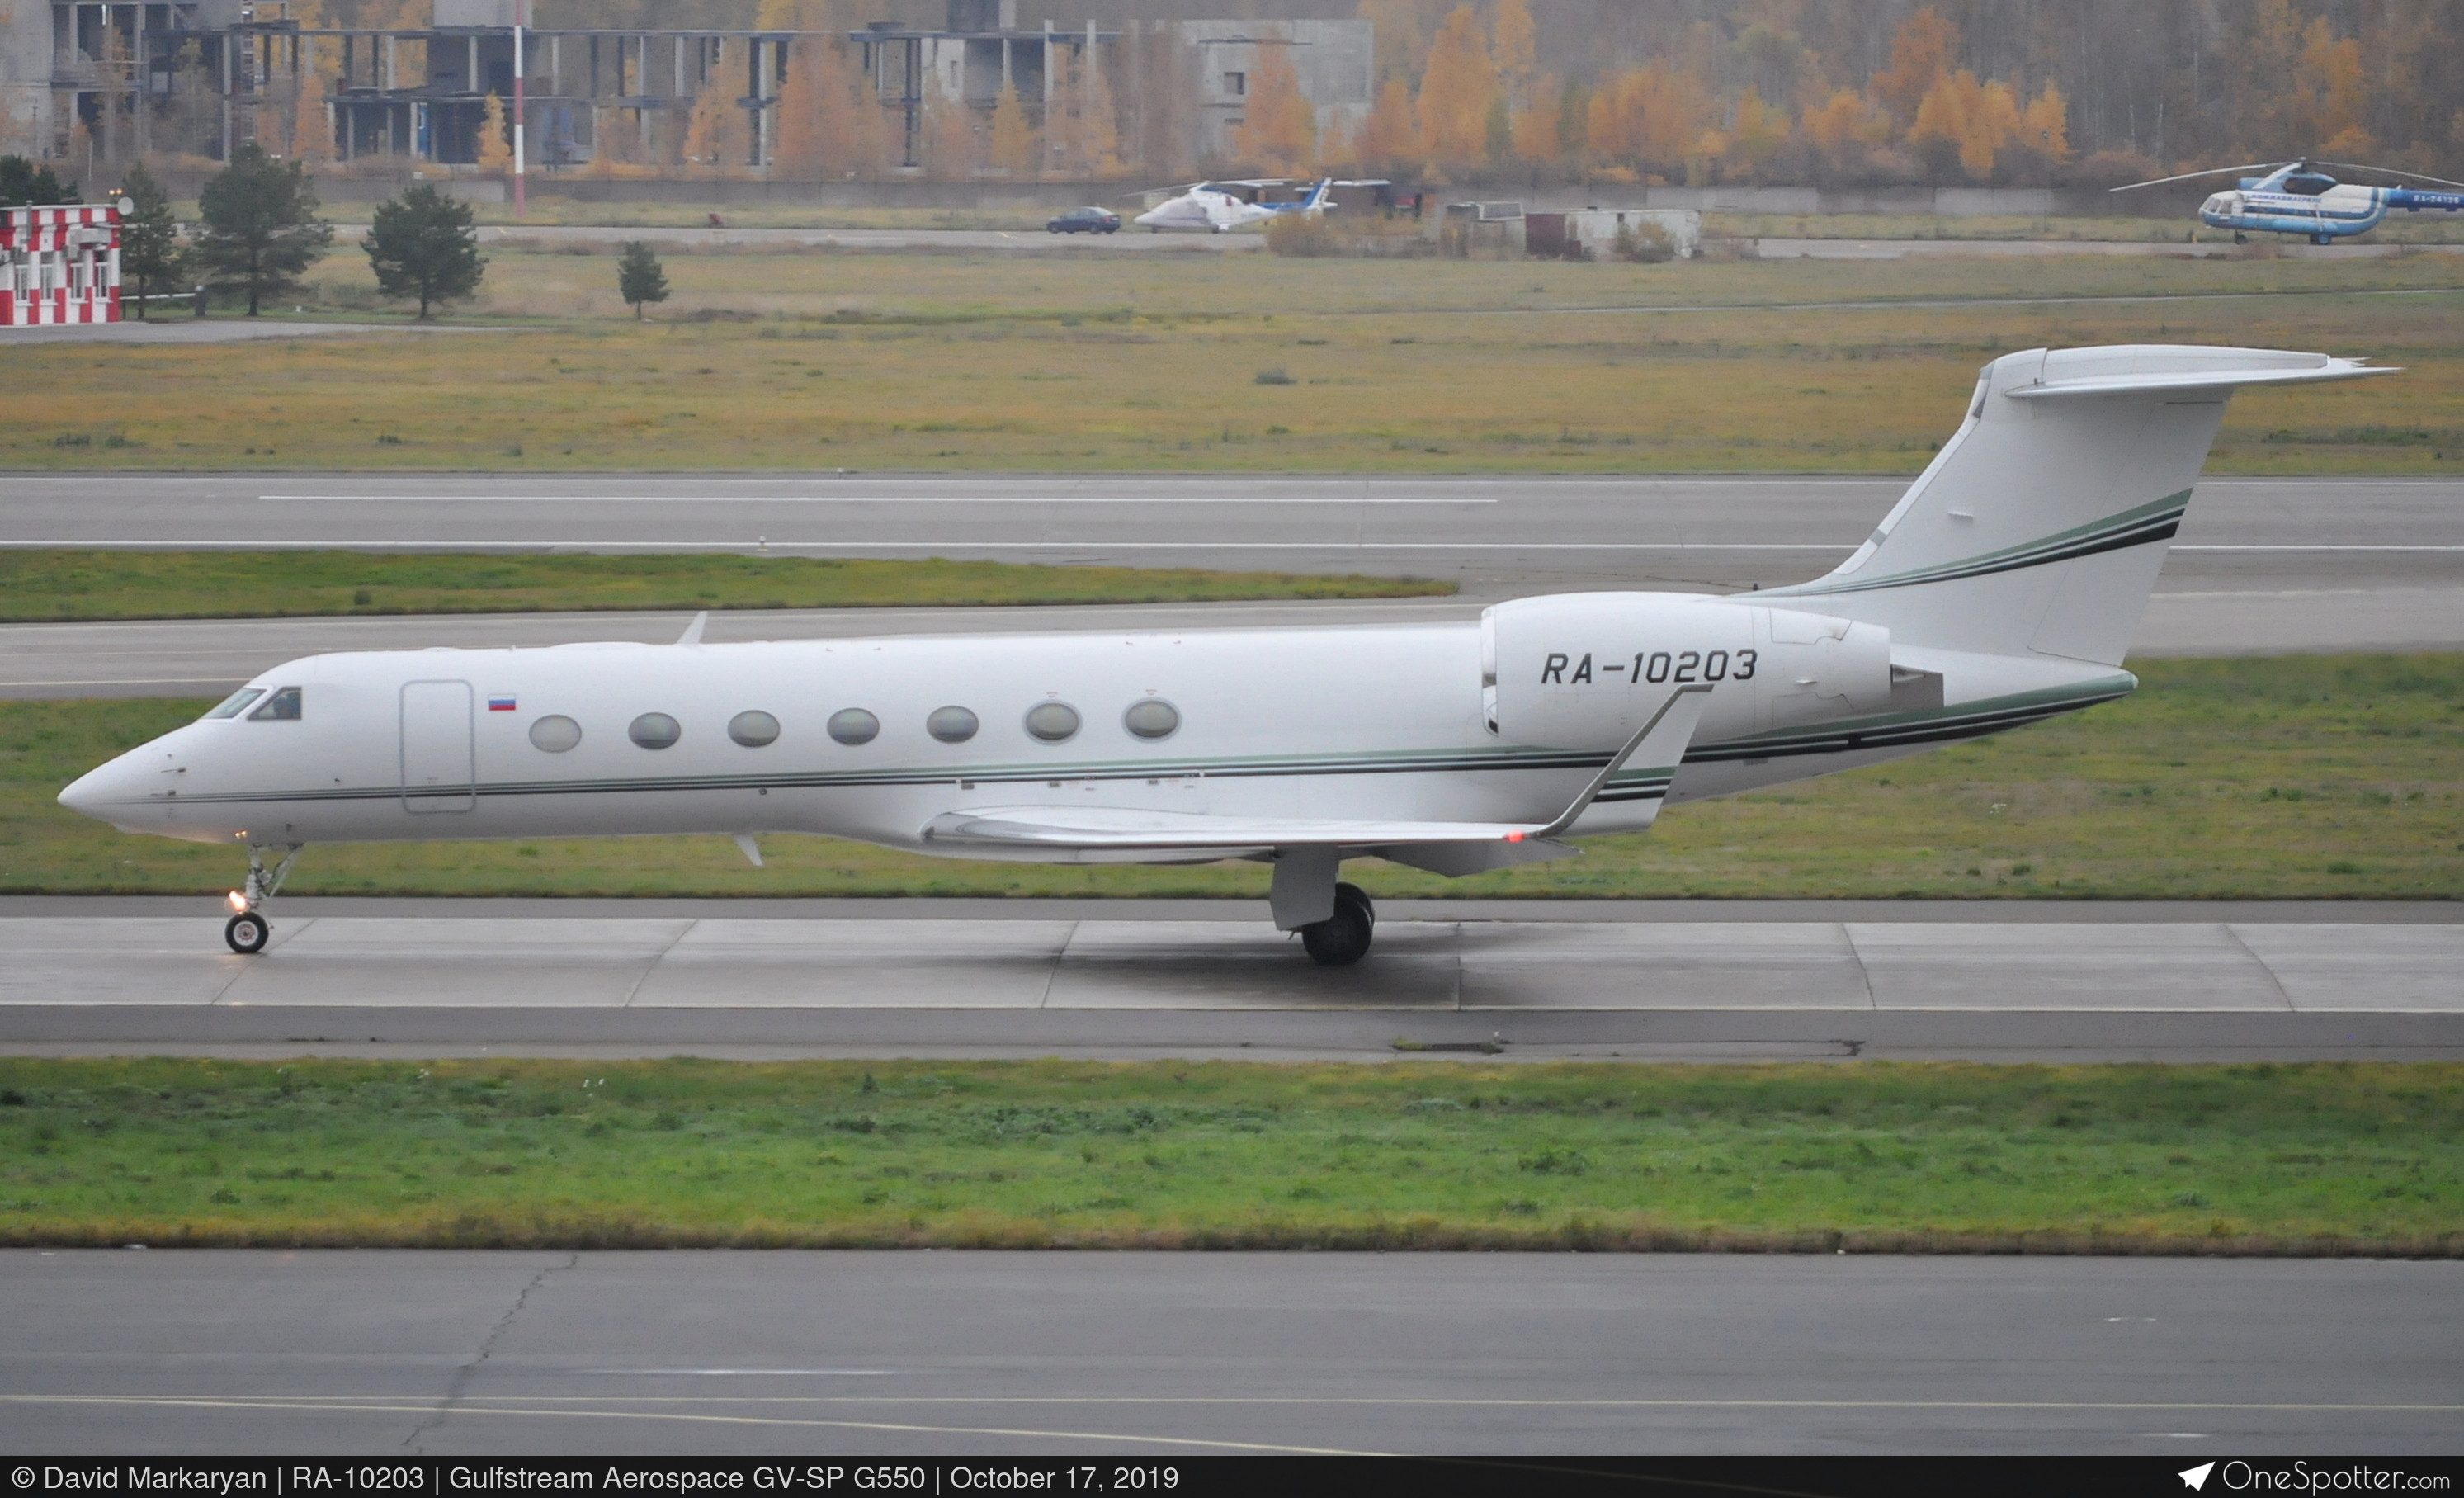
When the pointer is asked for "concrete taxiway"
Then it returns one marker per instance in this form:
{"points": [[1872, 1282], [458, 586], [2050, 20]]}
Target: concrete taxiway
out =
{"points": [[2262, 566], [1159, 1355], [1213, 979]]}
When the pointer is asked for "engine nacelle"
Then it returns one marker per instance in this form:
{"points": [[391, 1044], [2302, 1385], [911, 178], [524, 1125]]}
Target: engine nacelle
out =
{"points": [[1586, 670]]}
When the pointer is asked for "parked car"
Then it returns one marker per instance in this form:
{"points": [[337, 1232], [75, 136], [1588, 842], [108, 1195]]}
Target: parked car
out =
{"points": [[1087, 221]]}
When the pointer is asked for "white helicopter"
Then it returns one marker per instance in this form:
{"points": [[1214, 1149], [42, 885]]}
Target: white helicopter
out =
{"points": [[1213, 207], [2002, 588], [2296, 198]]}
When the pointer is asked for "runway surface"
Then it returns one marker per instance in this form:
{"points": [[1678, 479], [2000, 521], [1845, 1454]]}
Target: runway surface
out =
{"points": [[2263, 566], [1195, 978], [1159, 1355]]}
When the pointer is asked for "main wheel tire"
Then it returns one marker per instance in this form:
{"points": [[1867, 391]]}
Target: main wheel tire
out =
{"points": [[247, 933], [1343, 938]]}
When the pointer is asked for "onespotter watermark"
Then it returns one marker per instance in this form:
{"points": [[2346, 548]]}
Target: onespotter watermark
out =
{"points": [[2301, 1477]]}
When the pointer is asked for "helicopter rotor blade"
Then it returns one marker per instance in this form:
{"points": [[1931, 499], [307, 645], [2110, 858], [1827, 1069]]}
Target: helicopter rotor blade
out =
{"points": [[2389, 172], [2214, 171]]}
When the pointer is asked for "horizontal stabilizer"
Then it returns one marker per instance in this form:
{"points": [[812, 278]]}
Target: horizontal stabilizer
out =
{"points": [[2155, 378]]}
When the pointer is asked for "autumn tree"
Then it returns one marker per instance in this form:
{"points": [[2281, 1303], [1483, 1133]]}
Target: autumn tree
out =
{"points": [[1014, 146], [1922, 53], [1390, 137], [1278, 130], [1084, 133], [496, 142], [1456, 93], [717, 133]]}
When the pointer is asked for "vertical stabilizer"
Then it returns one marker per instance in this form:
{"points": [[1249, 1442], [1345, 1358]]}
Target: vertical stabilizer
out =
{"points": [[2040, 526]]}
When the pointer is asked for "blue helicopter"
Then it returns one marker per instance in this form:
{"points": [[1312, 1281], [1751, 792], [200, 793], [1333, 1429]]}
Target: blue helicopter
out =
{"points": [[2296, 198]]}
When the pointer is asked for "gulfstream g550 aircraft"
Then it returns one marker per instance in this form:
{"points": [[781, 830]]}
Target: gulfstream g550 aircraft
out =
{"points": [[2003, 588]]}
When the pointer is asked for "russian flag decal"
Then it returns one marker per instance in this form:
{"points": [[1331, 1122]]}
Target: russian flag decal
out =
{"points": [[497, 704]]}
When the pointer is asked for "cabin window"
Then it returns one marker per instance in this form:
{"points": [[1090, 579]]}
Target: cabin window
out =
{"points": [[283, 707], [1052, 721], [238, 703], [1151, 719], [952, 725], [655, 731], [854, 726], [753, 729], [555, 734]]}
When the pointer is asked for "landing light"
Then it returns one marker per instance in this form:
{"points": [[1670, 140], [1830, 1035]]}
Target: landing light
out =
{"points": [[238, 901]]}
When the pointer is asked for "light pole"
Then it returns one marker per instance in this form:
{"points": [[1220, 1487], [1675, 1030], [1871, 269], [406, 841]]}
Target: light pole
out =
{"points": [[522, 11]]}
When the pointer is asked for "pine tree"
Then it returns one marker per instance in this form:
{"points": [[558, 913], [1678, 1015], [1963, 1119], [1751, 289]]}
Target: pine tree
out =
{"points": [[260, 225], [639, 278], [25, 184], [422, 244], [150, 253]]}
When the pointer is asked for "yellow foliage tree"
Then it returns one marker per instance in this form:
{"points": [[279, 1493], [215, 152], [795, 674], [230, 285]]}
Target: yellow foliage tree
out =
{"points": [[1516, 52], [854, 137], [1456, 92], [2331, 87], [799, 150], [1653, 116], [1979, 120], [1843, 122], [495, 146], [950, 146], [311, 133], [1759, 132], [1278, 130], [1922, 53], [1536, 138], [1084, 134], [717, 136], [1389, 138], [1014, 146], [2046, 126]]}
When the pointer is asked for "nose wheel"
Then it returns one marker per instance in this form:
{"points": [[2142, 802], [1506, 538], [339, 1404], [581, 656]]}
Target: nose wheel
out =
{"points": [[247, 933]]}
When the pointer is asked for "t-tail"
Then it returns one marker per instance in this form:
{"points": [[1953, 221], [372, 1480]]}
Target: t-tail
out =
{"points": [[1316, 202], [2039, 528]]}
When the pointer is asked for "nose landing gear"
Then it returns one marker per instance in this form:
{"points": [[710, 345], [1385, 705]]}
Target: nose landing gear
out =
{"points": [[247, 931]]}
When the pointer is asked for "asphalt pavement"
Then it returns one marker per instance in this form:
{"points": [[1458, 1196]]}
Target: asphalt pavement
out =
{"points": [[1711, 981], [2262, 566], [1159, 1355]]}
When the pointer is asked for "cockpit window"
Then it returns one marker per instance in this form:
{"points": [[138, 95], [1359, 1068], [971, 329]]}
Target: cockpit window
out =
{"points": [[281, 707], [238, 703]]}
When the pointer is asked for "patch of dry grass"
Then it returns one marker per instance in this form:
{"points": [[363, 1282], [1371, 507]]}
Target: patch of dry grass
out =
{"points": [[824, 360]]}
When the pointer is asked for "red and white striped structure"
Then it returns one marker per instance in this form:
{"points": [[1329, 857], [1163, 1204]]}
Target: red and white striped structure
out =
{"points": [[62, 264]]}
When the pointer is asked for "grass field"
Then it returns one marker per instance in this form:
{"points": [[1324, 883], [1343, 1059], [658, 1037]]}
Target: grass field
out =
{"points": [[2309, 777], [1248, 362], [177, 584], [1870, 1157]]}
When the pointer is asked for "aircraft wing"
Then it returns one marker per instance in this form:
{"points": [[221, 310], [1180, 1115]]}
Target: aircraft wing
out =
{"points": [[1099, 829]]}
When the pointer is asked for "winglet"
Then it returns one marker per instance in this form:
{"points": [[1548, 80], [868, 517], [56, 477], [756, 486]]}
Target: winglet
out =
{"points": [[692, 631], [1666, 735]]}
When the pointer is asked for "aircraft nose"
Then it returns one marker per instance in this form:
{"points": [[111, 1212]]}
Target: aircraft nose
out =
{"points": [[106, 792]]}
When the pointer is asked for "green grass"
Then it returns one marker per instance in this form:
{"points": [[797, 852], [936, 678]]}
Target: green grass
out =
{"points": [[2311, 777], [1869, 1157], [226, 585], [803, 360]]}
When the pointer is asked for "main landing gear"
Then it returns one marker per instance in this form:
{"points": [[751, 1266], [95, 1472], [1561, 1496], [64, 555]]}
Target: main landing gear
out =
{"points": [[1335, 921], [247, 931], [1342, 938]]}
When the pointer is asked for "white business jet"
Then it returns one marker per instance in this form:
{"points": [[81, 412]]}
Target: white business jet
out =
{"points": [[2002, 590], [1210, 207]]}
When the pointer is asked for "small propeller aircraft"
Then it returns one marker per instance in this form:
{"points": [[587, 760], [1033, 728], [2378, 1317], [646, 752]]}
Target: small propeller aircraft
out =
{"points": [[2002, 590], [1213, 207], [2296, 198]]}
